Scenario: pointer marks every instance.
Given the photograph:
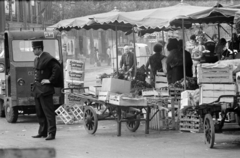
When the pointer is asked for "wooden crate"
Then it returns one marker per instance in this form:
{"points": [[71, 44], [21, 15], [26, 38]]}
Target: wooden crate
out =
{"points": [[161, 80], [175, 92], [167, 117], [211, 73], [159, 121], [211, 92]]}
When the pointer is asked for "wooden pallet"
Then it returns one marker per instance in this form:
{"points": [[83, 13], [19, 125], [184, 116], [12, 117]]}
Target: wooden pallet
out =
{"points": [[191, 123], [162, 121], [159, 121]]}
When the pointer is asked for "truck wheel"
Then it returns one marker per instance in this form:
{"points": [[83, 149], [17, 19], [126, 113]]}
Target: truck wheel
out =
{"points": [[11, 113], [2, 114]]}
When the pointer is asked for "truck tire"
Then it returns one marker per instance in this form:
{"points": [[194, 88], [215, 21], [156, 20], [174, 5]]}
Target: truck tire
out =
{"points": [[2, 114], [11, 113]]}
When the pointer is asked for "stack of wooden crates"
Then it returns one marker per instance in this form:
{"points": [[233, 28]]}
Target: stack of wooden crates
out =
{"points": [[214, 80], [168, 101], [73, 78]]}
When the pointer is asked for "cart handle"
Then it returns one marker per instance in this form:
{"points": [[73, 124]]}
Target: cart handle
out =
{"points": [[64, 89], [227, 96]]}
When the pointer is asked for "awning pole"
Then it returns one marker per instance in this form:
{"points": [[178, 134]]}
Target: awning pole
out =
{"points": [[184, 65], [116, 48], [135, 56], [112, 56], [218, 32], [232, 37]]}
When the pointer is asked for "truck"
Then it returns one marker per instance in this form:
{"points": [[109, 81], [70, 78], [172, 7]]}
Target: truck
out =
{"points": [[17, 70]]}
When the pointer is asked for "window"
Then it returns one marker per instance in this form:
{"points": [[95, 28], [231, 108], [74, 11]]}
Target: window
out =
{"points": [[1, 49], [21, 10], [34, 14], [22, 50]]}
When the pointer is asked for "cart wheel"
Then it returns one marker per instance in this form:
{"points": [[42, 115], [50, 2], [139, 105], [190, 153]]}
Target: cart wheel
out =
{"points": [[133, 125], [90, 120], [209, 130], [238, 119], [2, 113]]}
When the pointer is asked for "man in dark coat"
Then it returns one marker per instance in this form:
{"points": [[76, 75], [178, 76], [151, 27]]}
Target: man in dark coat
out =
{"points": [[174, 62], [188, 60], [47, 75]]}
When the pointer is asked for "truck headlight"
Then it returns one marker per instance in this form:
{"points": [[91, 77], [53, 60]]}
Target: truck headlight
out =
{"points": [[2, 68], [20, 82]]}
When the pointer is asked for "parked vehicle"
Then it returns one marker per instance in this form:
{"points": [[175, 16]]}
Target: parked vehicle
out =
{"points": [[17, 67], [142, 54]]}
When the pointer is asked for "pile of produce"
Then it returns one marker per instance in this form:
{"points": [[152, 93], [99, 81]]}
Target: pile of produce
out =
{"points": [[138, 86], [191, 83], [141, 74], [104, 75]]}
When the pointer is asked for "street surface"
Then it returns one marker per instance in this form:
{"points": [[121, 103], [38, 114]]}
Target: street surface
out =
{"points": [[72, 141]]}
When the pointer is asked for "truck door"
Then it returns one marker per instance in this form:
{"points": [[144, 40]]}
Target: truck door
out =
{"points": [[7, 65]]}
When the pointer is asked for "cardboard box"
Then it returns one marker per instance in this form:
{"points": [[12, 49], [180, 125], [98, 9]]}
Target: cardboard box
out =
{"points": [[185, 102], [187, 94], [72, 99], [74, 84], [75, 65], [74, 75], [116, 85], [123, 100], [94, 90]]}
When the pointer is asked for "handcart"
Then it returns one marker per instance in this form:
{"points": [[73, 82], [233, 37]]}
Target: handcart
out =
{"points": [[132, 115], [213, 122]]}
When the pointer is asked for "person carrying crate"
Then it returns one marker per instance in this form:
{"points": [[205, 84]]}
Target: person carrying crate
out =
{"points": [[157, 62]]}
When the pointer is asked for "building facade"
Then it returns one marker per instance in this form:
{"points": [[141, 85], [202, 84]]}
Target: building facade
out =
{"points": [[25, 14]]}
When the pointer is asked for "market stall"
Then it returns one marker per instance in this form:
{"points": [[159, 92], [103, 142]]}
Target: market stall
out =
{"points": [[218, 92], [141, 20], [113, 101]]}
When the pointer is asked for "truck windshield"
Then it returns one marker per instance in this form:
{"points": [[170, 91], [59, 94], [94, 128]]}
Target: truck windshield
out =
{"points": [[1, 49], [22, 50]]}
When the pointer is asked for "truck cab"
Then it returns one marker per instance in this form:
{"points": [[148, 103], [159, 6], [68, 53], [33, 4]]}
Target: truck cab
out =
{"points": [[18, 74]]}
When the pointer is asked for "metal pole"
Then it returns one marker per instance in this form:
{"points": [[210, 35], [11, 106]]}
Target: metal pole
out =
{"points": [[163, 36], [218, 32], [232, 36], [112, 56], [135, 56], [116, 48], [184, 64]]}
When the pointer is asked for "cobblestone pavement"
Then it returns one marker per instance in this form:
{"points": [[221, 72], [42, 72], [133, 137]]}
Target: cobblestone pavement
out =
{"points": [[72, 141]]}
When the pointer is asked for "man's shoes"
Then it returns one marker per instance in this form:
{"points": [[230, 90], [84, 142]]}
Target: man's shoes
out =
{"points": [[39, 136], [50, 137]]}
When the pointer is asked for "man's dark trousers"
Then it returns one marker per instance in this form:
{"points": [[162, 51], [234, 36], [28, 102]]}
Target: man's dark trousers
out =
{"points": [[46, 115]]}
